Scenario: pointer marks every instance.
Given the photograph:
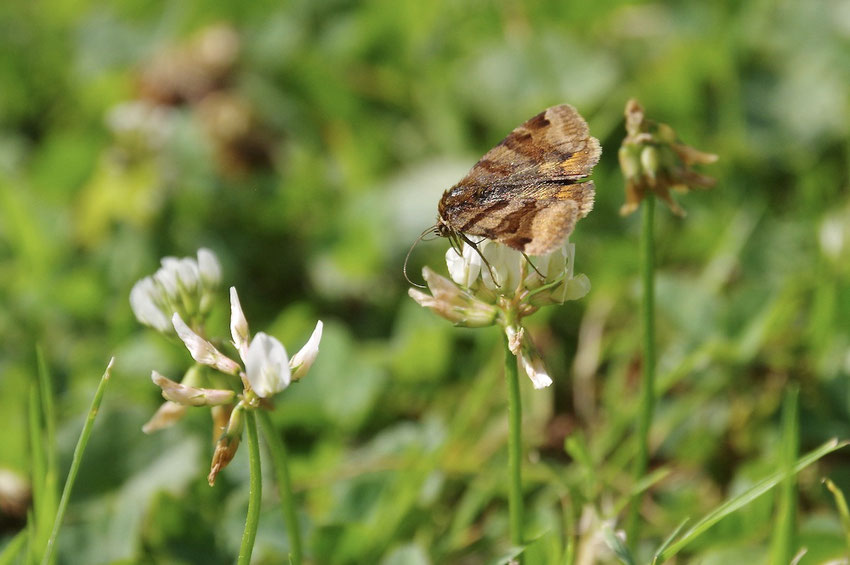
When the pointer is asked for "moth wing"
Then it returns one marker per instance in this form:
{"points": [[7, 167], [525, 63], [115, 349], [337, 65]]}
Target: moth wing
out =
{"points": [[555, 144], [533, 226]]}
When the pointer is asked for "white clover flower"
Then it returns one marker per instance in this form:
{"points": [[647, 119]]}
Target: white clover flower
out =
{"points": [[267, 366], [496, 284]]}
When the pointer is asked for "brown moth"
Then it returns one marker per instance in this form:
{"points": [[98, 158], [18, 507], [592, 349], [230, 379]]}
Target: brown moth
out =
{"points": [[529, 191]]}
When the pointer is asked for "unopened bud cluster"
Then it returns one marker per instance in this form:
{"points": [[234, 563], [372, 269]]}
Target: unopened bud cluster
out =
{"points": [[495, 284], [184, 286], [654, 161]]}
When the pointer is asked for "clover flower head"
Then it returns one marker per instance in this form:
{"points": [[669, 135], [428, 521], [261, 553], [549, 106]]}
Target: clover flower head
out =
{"points": [[492, 283], [183, 286]]}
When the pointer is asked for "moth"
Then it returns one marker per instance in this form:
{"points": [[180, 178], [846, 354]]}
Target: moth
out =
{"points": [[528, 191]]}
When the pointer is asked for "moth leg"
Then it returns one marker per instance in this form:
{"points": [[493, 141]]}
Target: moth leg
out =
{"points": [[474, 245], [528, 260]]}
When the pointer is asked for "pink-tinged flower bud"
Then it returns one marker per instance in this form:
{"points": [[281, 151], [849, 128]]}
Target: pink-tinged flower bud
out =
{"points": [[189, 395], [203, 351], [453, 303], [168, 413]]}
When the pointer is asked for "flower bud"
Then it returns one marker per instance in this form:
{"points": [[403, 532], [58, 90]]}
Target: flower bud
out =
{"points": [[228, 443], [303, 360], [148, 305], [238, 325]]}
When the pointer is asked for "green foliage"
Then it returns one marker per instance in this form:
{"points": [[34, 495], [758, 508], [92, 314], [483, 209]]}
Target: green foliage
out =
{"points": [[363, 112]]}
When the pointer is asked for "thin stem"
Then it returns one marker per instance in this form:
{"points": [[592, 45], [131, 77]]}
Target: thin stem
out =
{"points": [[647, 397], [75, 463], [284, 486], [255, 490], [514, 446]]}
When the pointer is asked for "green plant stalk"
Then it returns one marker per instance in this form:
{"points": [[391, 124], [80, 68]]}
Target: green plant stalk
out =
{"points": [[782, 549], [284, 486], [75, 464], [255, 490], [514, 446], [647, 394]]}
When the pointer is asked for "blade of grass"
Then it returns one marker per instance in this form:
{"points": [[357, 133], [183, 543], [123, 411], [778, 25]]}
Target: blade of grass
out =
{"points": [[14, 548], [40, 505], [48, 505], [75, 463], [666, 543], [843, 511], [745, 498], [782, 545]]}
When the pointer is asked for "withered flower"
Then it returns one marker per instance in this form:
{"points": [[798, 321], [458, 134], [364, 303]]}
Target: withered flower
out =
{"points": [[654, 160]]}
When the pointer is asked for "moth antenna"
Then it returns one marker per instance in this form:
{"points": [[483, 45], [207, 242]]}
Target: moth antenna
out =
{"points": [[409, 251], [536, 270]]}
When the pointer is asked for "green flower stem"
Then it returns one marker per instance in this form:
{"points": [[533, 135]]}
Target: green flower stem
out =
{"points": [[255, 490], [75, 463], [284, 486], [514, 446], [647, 397]]}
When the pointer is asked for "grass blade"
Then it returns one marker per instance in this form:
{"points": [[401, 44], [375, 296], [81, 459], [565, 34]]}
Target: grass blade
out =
{"points": [[745, 498], [75, 463], [843, 511], [666, 543], [14, 548]]}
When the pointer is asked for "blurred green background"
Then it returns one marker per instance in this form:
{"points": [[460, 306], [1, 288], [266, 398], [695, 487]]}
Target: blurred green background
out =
{"points": [[307, 143]]}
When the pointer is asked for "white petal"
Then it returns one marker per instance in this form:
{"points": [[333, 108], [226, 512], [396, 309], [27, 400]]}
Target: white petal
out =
{"points": [[189, 273], [303, 360], [143, 302], [267, 366], [209, 267], [535, 370], [238, 325], [167, 276]]}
